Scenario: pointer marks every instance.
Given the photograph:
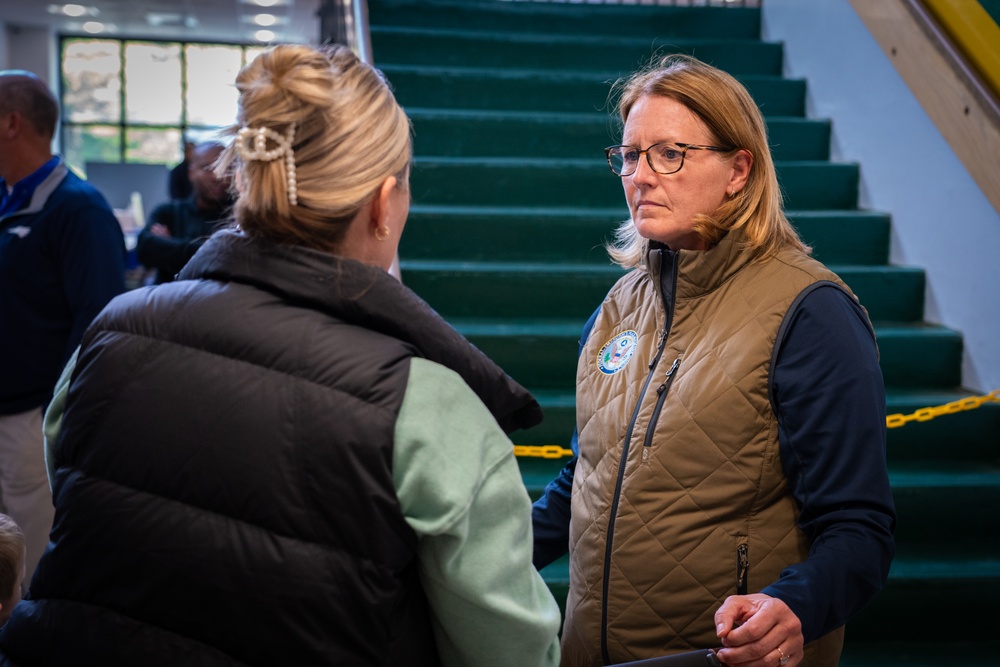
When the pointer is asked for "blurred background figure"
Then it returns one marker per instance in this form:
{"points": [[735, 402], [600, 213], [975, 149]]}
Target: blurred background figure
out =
{"points": [[176, 229], [179, 180]]}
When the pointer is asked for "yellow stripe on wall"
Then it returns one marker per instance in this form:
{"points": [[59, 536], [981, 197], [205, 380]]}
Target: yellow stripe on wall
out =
{"points": [[975, 33]]}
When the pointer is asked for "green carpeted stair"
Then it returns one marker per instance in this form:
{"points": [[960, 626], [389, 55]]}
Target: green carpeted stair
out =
{"points": [[512, 201]]}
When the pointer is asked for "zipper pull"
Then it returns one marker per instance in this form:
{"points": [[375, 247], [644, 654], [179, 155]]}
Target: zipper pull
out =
{"points": [[666, 380], [659, 348], [742, 568]]}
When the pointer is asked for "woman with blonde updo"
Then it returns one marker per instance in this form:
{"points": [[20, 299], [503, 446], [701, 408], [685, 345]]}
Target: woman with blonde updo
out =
{"points": [[285, 457]]}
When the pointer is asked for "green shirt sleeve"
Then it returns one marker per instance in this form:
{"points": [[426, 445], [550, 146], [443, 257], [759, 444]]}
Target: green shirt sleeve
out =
{"points": [[461, 491], [54, 415]]}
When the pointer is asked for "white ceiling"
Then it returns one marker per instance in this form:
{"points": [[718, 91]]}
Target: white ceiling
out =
{"points": [[196, 20]]}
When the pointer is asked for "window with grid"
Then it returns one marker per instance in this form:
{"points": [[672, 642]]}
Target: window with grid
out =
{"points": [[138, 100]]}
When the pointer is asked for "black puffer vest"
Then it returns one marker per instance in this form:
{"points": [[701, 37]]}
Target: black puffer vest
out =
{"points": [[224, 489]]}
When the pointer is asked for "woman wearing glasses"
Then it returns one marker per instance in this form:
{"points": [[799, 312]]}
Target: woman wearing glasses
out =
{"points": [[730, 487]]}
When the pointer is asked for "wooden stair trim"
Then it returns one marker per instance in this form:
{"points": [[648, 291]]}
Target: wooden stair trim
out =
{"points": [[955, 99]]}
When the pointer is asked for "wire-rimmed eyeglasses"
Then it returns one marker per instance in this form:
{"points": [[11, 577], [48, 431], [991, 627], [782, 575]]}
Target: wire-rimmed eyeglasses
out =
{"points": [[663, 158]]}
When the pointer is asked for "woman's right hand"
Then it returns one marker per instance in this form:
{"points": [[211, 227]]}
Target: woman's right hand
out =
{"points": [[758, 631]]}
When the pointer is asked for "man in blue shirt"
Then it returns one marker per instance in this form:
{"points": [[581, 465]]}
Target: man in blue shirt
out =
{"points": [[62, 258]]}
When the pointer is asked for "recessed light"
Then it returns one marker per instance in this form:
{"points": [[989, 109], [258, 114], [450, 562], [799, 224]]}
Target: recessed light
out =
{"points": [[265, 19], [264, 35], [93, 27], [164, 19], [73, 10]]}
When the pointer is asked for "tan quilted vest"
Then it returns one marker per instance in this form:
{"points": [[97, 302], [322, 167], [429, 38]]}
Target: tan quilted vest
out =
{"points": [[703, 501]]}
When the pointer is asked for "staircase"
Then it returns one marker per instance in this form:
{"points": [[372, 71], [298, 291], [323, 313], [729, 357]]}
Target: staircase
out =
{"points": [[512, 201]]}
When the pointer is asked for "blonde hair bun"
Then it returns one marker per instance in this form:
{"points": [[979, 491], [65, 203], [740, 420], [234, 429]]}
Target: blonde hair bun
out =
{"points": [[349, 133]]}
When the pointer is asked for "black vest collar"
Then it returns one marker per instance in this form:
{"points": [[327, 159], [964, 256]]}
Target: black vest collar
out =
{"points": [[367, 297]]}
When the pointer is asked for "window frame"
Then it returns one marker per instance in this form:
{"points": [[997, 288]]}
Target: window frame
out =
{"points": [[122, 126]]}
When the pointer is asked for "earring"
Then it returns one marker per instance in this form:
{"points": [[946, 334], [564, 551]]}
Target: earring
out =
{"points": [[382, 233]]}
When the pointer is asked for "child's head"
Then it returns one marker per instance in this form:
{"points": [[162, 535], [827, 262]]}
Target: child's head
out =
{"points": [[11, 566]]}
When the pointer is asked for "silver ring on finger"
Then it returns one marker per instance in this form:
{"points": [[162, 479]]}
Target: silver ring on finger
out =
{"points": [[782, 658]]}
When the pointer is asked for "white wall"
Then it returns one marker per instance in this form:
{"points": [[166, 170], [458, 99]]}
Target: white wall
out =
{"points": [[4, 47], [941, 220], [32, 49]]}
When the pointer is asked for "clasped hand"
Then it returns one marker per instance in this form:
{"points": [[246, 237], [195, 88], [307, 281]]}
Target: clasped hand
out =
{"points": [[758, 631]]}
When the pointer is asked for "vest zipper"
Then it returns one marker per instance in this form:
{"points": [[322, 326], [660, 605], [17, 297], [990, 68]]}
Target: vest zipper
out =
{"points": [[617, 495], [742, 568], [661, 393], [667, 290]]}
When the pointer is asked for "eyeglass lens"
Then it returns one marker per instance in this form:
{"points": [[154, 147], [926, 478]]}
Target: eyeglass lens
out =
{"points": [[663, 158]]}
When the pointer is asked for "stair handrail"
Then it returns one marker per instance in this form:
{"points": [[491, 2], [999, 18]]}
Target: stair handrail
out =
{"points": [[362, 32], [963, 108], [346, 22]]}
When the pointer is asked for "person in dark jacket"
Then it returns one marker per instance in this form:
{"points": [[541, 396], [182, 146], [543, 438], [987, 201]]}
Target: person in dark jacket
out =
{"points": [[177, 228], [285, 457], [178, 181]]}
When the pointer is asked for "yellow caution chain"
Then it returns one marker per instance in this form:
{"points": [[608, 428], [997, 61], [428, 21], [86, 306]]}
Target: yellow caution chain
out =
{"points": [[927, 414], [543, 451], [891, 421]]}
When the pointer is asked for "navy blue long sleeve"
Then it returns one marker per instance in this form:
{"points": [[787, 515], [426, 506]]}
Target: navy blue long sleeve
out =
{"points": [[551, 513], [62, 258], [831, 420], [831, 414]]}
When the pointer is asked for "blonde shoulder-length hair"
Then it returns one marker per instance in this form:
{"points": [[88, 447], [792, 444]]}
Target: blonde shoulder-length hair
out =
{"points": [[733, 119]]}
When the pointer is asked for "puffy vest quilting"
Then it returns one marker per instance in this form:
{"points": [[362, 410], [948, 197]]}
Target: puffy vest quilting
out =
{"points": [[225, 488], [688, 438]]}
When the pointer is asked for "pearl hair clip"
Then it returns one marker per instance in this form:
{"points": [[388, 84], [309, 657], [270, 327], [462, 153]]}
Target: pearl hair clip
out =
{"points": [[251, 144]]}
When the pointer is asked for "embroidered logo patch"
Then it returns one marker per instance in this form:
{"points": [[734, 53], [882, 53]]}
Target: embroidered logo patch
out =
{"points": [[617, 352]]}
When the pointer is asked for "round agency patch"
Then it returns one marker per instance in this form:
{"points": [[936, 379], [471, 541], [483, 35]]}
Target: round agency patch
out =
{"points": [[617, 352]]}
